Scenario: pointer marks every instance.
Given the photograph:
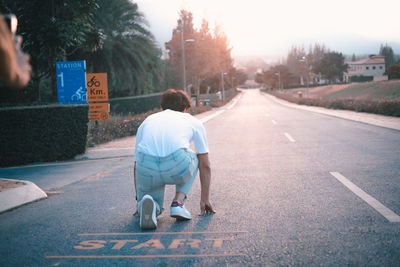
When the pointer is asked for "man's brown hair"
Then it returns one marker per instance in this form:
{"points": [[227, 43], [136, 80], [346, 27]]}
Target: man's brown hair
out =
{"points": [[176, 100]]}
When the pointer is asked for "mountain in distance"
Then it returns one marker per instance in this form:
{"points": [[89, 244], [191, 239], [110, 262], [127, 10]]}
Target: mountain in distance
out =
{"points": [[346, 44], [352, 43]]}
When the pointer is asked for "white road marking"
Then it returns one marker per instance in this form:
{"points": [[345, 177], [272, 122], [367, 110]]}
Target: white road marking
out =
{"points": [[289, 137], [205, 119], [378, 206], [234, 102], [267, 115], [274, 122]]}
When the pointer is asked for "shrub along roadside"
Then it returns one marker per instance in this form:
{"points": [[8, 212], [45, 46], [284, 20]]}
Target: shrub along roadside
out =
{"points": [[122, 126], [127, 123], [389, 107], [100, 132], [42, 133]]}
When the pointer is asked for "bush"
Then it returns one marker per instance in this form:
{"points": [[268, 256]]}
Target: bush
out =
{"points": [[394, 72], [117, 127], [123, 126], [42, 133], [361, 78]]}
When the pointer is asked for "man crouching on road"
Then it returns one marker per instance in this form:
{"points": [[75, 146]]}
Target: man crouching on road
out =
{"points": [[162, 157]]}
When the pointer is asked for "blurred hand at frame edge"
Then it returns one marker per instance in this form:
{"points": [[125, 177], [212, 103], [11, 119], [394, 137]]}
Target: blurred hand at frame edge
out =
{"points": [[14, 64]]}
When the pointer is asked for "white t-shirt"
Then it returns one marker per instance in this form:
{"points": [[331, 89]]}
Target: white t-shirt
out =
{"points": [[165, 132]]}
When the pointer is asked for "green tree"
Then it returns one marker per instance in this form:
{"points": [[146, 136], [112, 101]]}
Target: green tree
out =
{"points": [[179, 49], [387, 52], [51, 31], [112, 37], [332, 66], [394, 72], [121, 45], [276, 74], [294, 60], [206, 56]]}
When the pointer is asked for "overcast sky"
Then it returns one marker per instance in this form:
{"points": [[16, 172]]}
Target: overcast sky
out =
{"points": [[270, 28]]}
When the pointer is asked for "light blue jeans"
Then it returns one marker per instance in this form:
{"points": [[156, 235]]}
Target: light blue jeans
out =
{"points": [[153, 173]]}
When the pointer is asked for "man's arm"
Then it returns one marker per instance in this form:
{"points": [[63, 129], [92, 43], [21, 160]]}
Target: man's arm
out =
{"points": [[134, 180], [205, 180]]}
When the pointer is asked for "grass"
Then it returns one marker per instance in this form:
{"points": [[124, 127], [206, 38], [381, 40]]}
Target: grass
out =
{"points": [[371, 97], [365, 91], [370, 91]]}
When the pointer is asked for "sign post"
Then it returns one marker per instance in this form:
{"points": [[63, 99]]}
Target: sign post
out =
{"points": [[71, 82], [97, 91]]}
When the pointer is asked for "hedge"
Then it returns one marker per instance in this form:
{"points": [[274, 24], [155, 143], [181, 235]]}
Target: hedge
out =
{"points": [[361, 78], [394, 72], [135, 105], [42, 133]]}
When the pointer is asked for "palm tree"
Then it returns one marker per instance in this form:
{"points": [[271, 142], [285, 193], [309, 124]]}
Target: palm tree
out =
{"points": [[121, 45], [51, 30]]}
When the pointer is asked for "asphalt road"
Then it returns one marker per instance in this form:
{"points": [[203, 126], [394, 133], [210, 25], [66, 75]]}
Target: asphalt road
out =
{"points": [[291, 188]]}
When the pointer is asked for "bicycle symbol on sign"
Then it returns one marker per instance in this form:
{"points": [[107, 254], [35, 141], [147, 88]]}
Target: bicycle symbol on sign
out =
{"points": [[94, 82], [80, 95]]}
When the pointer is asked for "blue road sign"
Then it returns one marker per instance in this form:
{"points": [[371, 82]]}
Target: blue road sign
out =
{"points": [[71, 82]]}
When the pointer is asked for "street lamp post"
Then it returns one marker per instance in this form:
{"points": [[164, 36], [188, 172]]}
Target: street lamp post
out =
{"points": [[183, 59], [304, 59], [279, 80], [222, 85]]}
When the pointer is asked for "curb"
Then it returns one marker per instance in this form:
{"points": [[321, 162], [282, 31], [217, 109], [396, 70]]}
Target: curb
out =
{"points": [[21, 195]]}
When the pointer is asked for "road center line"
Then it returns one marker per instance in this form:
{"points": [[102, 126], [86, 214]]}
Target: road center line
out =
{"points": [[378, 206], [289, 137]]}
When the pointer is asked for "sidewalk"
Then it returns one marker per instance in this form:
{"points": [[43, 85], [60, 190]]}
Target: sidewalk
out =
{"points": [[15, 193]]}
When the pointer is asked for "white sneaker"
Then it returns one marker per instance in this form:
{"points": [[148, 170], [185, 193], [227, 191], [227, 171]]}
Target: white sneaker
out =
{"points": [[147, 212], [179, 211]]}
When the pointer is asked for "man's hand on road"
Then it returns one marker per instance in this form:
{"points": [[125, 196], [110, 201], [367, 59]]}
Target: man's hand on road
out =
{"points": [[206, 208]]}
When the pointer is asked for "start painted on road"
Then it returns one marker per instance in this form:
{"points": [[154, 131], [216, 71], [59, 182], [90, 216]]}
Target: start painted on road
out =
{"points": [[154, 246]]}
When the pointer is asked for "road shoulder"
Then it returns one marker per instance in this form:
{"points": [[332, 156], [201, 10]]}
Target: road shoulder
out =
{"points": [[373, 119]]}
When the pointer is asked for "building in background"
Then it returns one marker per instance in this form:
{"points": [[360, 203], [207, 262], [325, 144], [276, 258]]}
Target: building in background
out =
{"points": [[370, 69]]}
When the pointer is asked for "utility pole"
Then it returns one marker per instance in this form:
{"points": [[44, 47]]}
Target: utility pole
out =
{"points": [[222, 86], [304, 59], [183, 59], [279, 80]]}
